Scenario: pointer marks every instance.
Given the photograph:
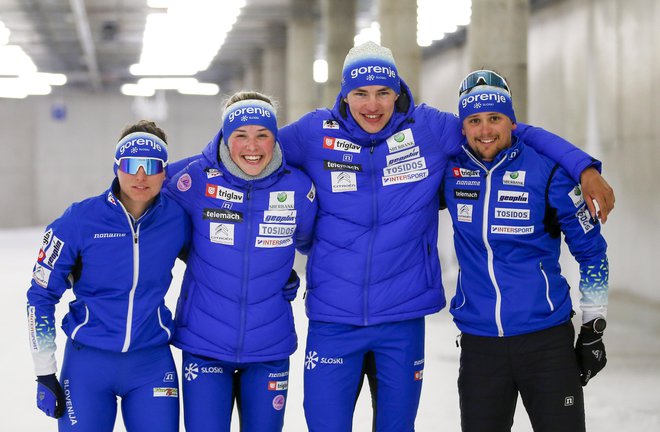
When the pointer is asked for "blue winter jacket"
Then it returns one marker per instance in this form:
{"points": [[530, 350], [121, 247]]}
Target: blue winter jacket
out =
{"points": [[507, 223], [374, 257], [119, 269], [245, 233]]}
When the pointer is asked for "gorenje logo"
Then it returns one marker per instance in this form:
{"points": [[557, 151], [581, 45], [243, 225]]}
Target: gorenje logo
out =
{"points": [[140, 142], [362, 70], [248, 110], [483, 97]]}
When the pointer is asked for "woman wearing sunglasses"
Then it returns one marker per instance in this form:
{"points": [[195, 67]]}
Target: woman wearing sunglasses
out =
{"points": [[116, 252], [234, 323]]}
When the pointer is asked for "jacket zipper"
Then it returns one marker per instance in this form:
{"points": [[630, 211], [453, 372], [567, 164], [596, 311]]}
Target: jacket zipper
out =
{"points": [[136, 273], [372, 238], [489, 250], [246, 267]]}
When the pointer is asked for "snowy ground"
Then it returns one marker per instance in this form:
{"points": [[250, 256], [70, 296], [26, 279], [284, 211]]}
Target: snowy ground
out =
{"points": [[624, 397]]}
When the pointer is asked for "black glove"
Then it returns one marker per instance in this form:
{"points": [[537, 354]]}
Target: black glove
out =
{"points": [[291, 287], [50, 396], [590, 349]]}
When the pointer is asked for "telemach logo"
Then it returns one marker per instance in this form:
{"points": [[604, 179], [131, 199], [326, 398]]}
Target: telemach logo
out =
{"points": [[222, 215], [339, 166], [466, 194]]}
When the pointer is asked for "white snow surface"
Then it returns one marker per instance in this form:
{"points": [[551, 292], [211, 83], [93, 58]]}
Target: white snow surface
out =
{"points": [[625, 396]]}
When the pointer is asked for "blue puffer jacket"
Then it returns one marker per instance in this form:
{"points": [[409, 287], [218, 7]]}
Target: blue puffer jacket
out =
{"points": [[374, 257], [245, 233], [507, 223], [120, 271]]}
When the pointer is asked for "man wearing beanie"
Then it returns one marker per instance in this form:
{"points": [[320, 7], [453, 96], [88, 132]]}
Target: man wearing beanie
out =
{"points": [[116, 252], [373, 274], [509, 205]]}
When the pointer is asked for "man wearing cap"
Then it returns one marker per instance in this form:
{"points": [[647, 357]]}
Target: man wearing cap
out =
{"points": [[377, 161], [373, 273], [116, 251], [509, 205]]}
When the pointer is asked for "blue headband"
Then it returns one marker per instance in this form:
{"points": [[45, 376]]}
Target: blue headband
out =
{"points": [[369, 64], [486, 99], [141, 145], [249, 112]]}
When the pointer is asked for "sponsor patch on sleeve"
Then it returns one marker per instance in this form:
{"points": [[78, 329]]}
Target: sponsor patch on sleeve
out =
{"points": [[184, 183], [41, 275], [585, 219], [576, 196]]}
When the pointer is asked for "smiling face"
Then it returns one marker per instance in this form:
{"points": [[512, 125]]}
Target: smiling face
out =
{"points": [[488, 133], [251, 148], [371, 106], [138, 191]]}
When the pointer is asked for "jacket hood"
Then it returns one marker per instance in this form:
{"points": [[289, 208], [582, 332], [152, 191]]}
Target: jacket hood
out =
{"points": [[403, 110]]}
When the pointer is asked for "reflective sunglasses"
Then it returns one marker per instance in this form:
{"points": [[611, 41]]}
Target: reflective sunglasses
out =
{"points": [[482, 77], [131, 165]]}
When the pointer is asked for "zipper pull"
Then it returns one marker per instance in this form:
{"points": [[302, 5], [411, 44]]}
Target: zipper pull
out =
{"points": [[458, 340]]}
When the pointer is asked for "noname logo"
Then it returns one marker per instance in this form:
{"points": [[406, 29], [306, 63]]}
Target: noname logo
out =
{"points": [[512, 196]]}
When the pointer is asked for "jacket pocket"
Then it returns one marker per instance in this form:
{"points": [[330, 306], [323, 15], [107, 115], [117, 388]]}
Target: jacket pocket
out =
{"points": [[431, 264], [546, 286], [184, 302], [459, 298]]}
